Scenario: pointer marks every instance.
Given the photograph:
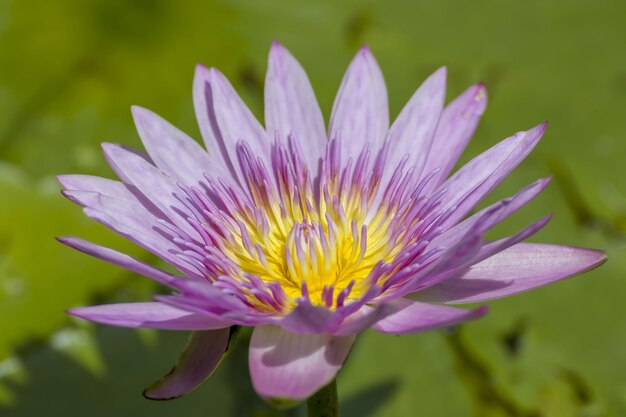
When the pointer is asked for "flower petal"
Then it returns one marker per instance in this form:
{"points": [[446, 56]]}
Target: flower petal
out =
{"points": [[456, 127], [521, 267], [225, 119], [152, 315], [104, 186], [284, 365], [118, 258], [412, 132], [510, 206], [152, 183], [204, 352], [415, 317], [360, 114], [477, 178], [291, 106], [175, 153], [308, 319], [128, 219]]}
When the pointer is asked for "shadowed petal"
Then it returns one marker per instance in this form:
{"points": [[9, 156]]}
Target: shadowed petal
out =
{"points": [[291, 106], [204, 352], [152, 315], [415, 317], [456, 127], [360, 113], [225, 119], [468, 186], [172, 151], [521, 267], [284, 365]]}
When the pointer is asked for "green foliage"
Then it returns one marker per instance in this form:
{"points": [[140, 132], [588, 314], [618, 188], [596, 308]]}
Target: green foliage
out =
{"points": [[70, 69]]}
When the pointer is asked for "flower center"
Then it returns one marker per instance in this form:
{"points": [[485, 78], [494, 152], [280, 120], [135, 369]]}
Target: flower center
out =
{"points": [[328, 239]]}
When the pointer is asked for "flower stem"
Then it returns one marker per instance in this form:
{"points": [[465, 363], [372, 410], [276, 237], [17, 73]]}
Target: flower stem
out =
{"points": [[325, 402]]}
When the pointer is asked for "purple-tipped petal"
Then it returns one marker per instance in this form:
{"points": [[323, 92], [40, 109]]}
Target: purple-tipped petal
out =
{"points": [[118, 258], [360, 114], [225, 119], [202, 355], [413, 131], [175, 153], [415, 317], [521, 267], [152, 315], [287, 366], [456, 127], [291, 106], [477, 178]]}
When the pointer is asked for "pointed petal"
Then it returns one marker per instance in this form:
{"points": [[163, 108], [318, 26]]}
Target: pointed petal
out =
{"points": [[477, 178], [360, 114], [159, 189], [118, 258], [128, 219], [413, 131], [104, 186], [415, 317], [291, 106], [510, 206], [175, 153], [288, 366], [204, 352], [520, 268], [456, 127], [225, 119], [152, 315]]}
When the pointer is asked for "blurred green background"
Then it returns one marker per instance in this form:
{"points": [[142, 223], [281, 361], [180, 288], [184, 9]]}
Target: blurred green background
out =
{"points": [[69, 70]]}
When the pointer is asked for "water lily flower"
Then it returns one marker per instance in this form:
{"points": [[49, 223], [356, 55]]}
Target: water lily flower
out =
{"points": [[312, 235]]}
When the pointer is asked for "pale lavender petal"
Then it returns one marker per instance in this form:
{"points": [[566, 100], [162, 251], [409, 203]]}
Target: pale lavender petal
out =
{"points": [[308, 319], [175, 153], [521, 267], [288, 366], [510, 206], [360, 114], [152, 183], [364, 318], [412, 132], [202, 355], [129, 219], [456, 127], [454, 269], [225, 119], [104, 186], [118, 258], [477, 178], [205, 114], [291, 106], [415, 317], [152, 315]]}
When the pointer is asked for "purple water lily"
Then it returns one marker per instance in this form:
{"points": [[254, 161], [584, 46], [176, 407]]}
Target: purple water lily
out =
{"points": [[312, 236]]}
